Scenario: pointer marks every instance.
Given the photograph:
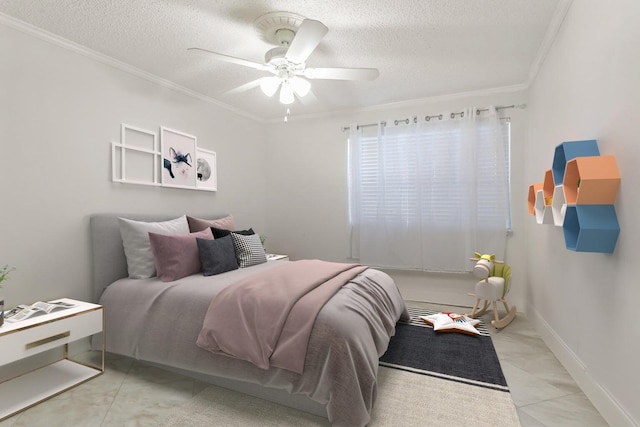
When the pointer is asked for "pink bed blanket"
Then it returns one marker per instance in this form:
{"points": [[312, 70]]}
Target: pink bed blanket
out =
{"points": [[267, 318]]}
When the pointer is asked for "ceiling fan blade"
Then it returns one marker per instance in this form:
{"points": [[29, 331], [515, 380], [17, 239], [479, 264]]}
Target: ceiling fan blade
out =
{"points": [[231, 59], [245, 87], [308, 99], [307, 38], [342, 73]]}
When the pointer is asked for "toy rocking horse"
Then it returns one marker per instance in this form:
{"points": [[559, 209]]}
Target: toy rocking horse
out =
{"points": [[494, 286]]}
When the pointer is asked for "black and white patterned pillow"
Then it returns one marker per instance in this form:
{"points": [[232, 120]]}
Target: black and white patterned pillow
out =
{"points": [[249, 249]]}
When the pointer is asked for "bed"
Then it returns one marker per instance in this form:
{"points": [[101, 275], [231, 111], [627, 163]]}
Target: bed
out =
{"points": [[159, 323]]}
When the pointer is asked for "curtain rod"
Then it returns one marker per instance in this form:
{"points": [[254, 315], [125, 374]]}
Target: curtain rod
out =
{"points": [[437, 116]]}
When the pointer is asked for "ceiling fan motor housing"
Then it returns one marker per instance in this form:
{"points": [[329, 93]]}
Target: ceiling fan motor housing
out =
{"points": [[278, 28]]}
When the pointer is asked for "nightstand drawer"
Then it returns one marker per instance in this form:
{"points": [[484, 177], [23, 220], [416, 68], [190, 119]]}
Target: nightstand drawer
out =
{"points": [[44, 336]]}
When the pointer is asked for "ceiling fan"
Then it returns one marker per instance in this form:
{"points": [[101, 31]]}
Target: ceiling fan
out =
{"points": [[296, 38]]}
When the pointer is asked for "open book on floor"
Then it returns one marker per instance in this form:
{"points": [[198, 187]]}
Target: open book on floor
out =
{"points": [[22, 311]]}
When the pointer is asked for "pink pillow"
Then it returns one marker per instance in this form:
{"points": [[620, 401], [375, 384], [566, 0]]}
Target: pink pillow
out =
{"points": [[197, 224], [176, 255]]}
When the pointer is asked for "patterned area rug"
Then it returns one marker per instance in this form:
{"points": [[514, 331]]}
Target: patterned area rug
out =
{"points": [[469, 359]]}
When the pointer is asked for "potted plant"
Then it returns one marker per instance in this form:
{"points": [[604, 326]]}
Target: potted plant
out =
{"points": [[4, 275]]}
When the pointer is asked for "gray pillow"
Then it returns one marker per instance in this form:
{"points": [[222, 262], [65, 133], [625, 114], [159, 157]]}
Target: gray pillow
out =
{"points": [[216, 256], [249, 249], [137, 249]]}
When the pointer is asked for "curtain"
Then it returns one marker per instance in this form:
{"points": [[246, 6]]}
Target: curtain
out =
{"points": [[355, 200], [427, 195]]}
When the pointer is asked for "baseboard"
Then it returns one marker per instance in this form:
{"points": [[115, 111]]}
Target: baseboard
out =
{"points": [[611, 411], [445, 288]]}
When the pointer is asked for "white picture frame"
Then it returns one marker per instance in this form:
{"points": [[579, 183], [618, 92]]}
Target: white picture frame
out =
{"points": [[135, 159], [206, 170], [178, 158]]}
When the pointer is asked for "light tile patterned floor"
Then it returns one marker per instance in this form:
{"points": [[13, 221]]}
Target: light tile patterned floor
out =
{"points": [[130, 393], [542, 390]]}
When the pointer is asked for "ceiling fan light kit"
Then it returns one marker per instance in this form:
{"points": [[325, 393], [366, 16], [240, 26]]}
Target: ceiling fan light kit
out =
{"points": [[295, 38], [300, 86], [269, 85], [286, 93]]}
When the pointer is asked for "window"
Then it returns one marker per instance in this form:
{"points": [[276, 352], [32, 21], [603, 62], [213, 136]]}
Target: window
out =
{"points": [[426, 196]]}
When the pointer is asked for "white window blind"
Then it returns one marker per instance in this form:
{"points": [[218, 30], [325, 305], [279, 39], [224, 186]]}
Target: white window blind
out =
{"points": [[426, 196]]}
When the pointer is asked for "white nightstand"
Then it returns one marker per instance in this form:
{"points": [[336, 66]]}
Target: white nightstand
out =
{"points": [[276, 257], [40, 333]]}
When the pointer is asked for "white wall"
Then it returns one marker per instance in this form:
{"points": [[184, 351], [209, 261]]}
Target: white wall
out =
{"points": [[59, 111], [307, 209], [585, 304]]}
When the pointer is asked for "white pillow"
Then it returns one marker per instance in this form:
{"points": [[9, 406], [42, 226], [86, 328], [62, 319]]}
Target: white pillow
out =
{"points": [[135, 239]]}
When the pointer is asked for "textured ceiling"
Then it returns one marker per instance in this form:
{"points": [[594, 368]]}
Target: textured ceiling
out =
{"points": [[423, 48]]}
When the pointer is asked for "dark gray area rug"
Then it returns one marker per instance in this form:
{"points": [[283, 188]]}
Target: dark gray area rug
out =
{"points": [[471, 359]]}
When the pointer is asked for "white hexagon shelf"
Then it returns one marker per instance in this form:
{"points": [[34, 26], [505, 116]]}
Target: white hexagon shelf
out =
{"points": [[543, 213], [558, 205]]}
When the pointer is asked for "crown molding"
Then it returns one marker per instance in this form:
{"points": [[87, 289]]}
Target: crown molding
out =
{"points": [[549, 39], [56, 40], [412, 103]]}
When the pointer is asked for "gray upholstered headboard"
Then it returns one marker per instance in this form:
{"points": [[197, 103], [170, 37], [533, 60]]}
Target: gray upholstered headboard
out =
{"points": [[107, 252]]}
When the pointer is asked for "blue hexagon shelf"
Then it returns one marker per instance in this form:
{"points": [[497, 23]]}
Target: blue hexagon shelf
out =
{"points": [[570, 150], [591, 228]]}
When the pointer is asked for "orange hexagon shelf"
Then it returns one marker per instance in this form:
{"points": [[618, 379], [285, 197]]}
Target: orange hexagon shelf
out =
{"points": [[533, 190], [591, 180]]}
